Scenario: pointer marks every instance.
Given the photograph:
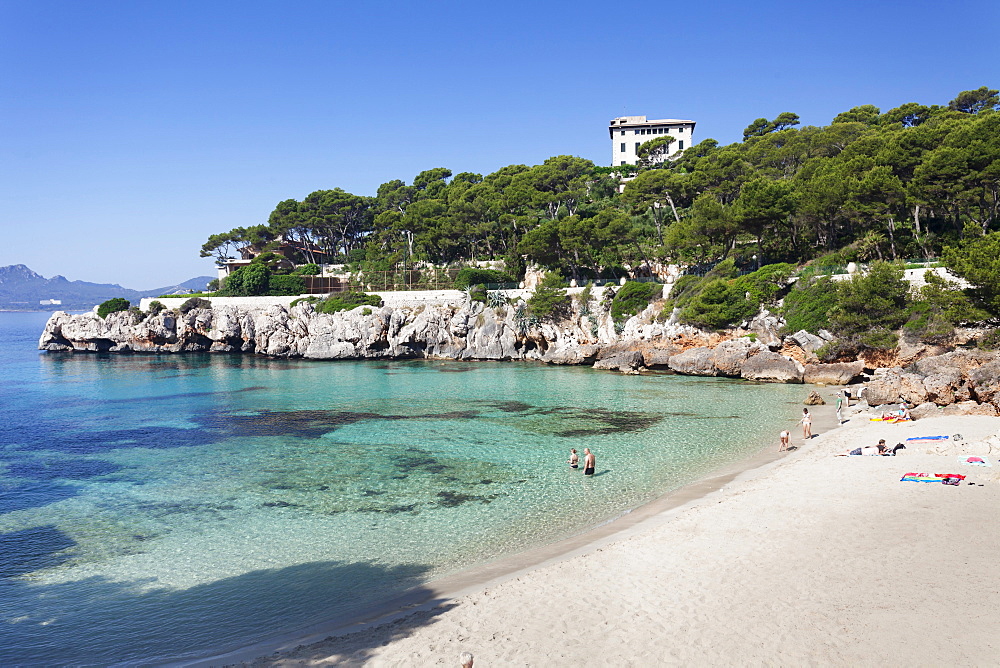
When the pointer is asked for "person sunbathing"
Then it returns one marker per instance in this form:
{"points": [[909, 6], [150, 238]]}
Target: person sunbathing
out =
{"points": [[901, 413], [866, 451]]}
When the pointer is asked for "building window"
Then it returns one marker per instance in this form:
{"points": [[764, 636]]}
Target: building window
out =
{"points": [[680, 145], [623, 162], [623, 147], [637, 144], [623, 133]]}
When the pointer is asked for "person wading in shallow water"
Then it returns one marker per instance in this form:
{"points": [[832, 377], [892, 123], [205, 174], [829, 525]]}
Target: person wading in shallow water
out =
{"points": [[589, 461], [574, 459], [807, 422]]}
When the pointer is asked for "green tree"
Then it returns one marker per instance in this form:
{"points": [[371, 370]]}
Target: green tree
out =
{"points": [[974, 101], [654, 150], [549, 299], [866, 113], [871, 307], [113, 305], [978, 262], [939, 306]]}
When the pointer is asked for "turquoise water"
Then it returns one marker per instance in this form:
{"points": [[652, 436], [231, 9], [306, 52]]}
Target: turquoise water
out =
{"points": [[156, 508]]}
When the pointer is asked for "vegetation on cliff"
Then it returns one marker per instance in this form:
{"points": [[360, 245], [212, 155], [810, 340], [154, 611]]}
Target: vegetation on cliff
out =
{"points": [[872, 187]]}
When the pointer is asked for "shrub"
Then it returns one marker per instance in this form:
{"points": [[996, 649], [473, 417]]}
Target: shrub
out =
{"points": [[247, 281], [632, 299], [112, 305], [723, 298], [305, 300], [766, 283], [193, 303], [937, 308], [990, 340], [285, 285], [345, 301], [311, 269], [155, 307], [809, 303], [583, 299], [720, 304], [550, 299], [366, 311], [212, 285], [474, 276], [475, 293]]}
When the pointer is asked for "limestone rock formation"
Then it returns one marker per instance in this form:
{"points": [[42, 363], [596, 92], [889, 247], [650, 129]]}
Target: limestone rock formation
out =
{"points": [[729, 356], [841, 373], [771, 367], [695, 362], [884, 387], [808, 342], [967, 379]]}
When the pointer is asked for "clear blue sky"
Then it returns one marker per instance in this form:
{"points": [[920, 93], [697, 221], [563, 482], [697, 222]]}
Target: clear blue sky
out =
{"points": [[131, 131]]}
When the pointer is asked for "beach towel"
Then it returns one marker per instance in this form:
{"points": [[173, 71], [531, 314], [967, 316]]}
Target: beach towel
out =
{"points": [[974, 460], [928, 438], [946, 478], [919, 477], [891, 420]]}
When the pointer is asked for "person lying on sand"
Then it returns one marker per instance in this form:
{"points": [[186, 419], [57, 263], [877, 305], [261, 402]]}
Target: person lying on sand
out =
{"points": [[867, 451]]}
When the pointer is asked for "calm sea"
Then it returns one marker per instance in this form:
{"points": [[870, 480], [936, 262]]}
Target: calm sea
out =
{"points": [[161, 507]]}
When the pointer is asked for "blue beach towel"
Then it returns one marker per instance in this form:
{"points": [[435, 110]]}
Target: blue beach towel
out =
{"points": [[928, 438]]}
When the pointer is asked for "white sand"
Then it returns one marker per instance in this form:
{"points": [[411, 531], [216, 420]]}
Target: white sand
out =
{"points": [[811, 560]]}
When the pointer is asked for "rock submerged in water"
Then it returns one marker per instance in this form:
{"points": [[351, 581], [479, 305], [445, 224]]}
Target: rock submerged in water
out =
{"points": [[814, 399]]}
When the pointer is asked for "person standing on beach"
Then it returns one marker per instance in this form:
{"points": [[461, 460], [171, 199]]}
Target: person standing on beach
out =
{"points": [[785, 437], [589, 462], [840, 402], [807, 422], [574, 459]]}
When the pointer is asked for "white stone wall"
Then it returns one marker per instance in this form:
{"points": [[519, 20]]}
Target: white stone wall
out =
{"points": [[428, 297]]}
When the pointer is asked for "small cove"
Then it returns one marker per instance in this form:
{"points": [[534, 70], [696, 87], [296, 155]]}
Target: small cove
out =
{"points": [[143, 495]]}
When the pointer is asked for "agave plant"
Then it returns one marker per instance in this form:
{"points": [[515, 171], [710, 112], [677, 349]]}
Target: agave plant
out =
{"points": [[495, 299]]}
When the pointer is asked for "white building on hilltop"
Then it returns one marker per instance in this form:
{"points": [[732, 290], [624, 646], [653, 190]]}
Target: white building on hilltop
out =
{"points": [[630, 132]]}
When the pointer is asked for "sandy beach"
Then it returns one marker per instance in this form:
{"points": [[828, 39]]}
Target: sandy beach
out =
{"points": [[805, 559]]}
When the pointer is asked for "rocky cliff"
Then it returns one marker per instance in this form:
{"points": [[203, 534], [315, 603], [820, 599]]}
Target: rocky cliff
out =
{"points": [[470, 332], [477, 332]]}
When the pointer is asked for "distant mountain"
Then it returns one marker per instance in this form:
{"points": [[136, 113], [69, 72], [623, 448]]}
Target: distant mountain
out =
{"points": [[21, 289]]}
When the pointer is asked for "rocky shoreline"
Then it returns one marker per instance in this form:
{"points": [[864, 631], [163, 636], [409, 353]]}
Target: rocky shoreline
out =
{"points": [[967, 381]]}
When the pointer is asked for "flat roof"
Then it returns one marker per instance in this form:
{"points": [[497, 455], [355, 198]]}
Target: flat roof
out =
{"points": [[641, 120]]}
